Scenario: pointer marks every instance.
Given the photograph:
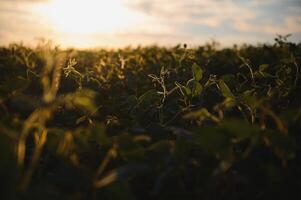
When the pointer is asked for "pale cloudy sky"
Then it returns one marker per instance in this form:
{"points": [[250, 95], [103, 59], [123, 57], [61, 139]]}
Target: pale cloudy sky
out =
{"points": [[111, 23]]}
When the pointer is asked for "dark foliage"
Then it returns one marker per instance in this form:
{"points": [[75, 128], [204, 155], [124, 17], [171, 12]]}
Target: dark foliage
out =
{"points": [[151, 122]]}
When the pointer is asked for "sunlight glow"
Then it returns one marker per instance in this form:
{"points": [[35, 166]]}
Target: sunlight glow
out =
{"points": [[89, 16]]}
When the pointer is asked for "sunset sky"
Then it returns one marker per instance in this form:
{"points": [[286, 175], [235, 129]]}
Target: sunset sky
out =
{"points": [[111, 23]]}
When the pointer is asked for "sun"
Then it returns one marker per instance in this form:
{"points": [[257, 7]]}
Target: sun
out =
{"points": [[89, 16]]}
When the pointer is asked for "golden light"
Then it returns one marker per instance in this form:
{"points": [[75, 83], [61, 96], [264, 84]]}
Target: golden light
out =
{"points": [[89, 16]]}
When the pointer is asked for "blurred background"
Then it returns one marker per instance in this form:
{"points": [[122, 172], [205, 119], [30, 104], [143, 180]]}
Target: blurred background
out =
{"points": [[118, 23]]}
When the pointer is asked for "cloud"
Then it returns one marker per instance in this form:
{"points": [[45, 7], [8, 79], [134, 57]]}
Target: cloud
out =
{"points": [[20, 22], [292, 24], [24, 1], [242, 16], [164, 22], [208, 12]]}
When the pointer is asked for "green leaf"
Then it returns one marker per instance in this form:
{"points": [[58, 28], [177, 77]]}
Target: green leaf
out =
{"points": [[201, 115], [195, 87], [121, 173], [147, 96], [263, 67], [84, 99], [185, 90], [240, 129], [212, 139], [198, 114], [249, 98], [225, 89], [197, 72]]}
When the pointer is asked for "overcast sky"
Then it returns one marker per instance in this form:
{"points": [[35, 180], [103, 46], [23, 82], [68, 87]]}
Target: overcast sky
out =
{"points": [[164, 22]]}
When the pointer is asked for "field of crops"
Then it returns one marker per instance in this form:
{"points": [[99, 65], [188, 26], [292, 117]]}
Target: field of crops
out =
{"points": [[150, 122]]}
